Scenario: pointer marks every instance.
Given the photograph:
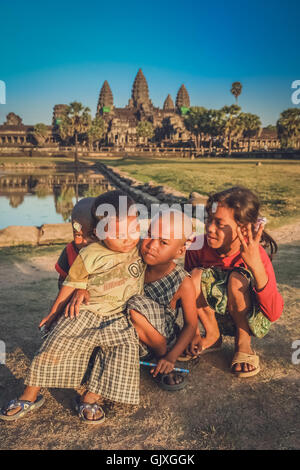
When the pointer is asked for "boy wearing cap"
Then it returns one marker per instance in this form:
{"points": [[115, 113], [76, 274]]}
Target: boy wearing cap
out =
{"points": [[82, 225]]}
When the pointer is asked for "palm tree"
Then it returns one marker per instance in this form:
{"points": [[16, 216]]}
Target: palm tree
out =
{"points": [[96, 130], [236, 90], [75, 121], [252, 125], [196, 123], [288, 127], [40, 133], [233, 124], [214, 124]]}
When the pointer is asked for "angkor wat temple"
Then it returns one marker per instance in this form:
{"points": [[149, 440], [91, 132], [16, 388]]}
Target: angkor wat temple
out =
{"points": [[121, 123]]}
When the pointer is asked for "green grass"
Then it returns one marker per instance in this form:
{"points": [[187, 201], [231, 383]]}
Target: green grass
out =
{"points": [[276, 182], [22, 253]]}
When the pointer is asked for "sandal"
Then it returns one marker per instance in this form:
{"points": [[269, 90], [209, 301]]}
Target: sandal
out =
{"points": [[25, 405], [213, 348], [81, 407], [252, 359], [160, 380]]}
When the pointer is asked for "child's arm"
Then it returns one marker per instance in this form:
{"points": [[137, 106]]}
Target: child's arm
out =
{"points": [[187, 295], [77, 279], [62, 267], [62, 298]]}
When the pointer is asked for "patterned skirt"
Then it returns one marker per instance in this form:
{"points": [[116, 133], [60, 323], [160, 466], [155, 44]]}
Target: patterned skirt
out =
{"points": [[214, 283], [63, 358]]}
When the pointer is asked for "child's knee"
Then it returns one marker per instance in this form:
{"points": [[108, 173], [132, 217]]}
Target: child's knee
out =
{"points": [[237, 284], [139, 323], [135, 317], [196, 275], [238, 290]]}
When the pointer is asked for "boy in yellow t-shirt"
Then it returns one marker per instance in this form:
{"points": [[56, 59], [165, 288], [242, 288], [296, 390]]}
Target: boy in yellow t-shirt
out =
{"points": [[112, 271]]}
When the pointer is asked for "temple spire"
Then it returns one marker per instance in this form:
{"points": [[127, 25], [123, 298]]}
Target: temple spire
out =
{"points": [[140, 91], [168, 104], [106, 99], [182, 99]]}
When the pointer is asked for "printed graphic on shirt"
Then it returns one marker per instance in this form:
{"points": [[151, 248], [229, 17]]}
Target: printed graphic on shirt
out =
{"points": [[136, 269]]}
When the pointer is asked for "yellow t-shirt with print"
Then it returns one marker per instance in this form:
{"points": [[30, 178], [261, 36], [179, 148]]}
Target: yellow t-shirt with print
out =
{"points": [[110, 277]]}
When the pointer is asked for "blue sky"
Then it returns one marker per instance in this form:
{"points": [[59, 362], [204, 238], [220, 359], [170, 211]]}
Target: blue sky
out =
{"points": [[58, 52]]}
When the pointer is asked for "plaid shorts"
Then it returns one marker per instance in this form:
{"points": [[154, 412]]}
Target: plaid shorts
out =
{"points": [[63, 358], [154, 306], [164, 320], [214, 283]]}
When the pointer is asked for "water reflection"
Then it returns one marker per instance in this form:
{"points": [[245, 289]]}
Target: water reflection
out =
{"points": [[15, 200], [21, 190], [64, 201]]}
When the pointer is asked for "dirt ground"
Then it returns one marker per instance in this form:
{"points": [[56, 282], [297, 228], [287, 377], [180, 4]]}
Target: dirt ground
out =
{"points": [[215, 410]]}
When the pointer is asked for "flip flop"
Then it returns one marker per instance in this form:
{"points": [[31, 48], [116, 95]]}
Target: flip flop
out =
{"points": [[81, 407], [213, 348], [160, 380], [252, 359], [26, 407]]}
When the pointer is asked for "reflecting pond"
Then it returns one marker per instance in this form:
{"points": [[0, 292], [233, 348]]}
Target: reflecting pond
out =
{"points": [[45, 196]]}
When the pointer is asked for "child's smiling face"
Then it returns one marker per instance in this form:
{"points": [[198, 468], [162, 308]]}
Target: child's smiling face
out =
{"points": [[161, 246], [221, 228]]}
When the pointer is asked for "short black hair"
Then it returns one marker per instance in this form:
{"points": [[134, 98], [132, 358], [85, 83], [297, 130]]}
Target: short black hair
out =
{"points": [[113, 198]]}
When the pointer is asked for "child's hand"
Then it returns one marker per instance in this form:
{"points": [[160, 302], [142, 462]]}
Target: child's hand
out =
{"points": [[250, 248], [47, 320], [251, 256], [195, 345], [72, 308], [164, 366], [43, 322]]}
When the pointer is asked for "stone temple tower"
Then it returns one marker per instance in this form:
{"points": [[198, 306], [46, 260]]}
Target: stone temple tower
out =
{"points": [[106, 100], [140, 92], [182, 99], [168, 104]]}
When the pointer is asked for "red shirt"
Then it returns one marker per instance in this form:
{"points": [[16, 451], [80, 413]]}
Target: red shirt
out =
{"points": [[66, 259], [269, 298]]}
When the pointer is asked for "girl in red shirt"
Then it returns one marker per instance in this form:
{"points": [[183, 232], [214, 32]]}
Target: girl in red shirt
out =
{"points": [[233, 275]]}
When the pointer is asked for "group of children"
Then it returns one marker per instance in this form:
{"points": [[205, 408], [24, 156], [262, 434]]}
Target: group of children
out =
{"points": [[140, 301]]}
